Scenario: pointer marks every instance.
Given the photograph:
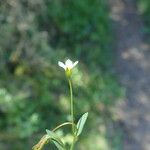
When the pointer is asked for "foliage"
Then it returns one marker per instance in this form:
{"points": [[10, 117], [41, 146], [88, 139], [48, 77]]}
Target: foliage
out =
{"points": [[144, 8], [35, 34]]}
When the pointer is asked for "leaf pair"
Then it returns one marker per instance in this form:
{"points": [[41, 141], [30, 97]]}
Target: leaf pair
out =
{"points": [[56, 140]]}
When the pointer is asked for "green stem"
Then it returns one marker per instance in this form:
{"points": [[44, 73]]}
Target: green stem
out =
{"points": [[71, 105], [61, 125], [72, 146], [72, 115]]}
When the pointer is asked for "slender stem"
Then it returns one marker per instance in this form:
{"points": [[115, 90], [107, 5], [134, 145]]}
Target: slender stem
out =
{"points": [[71, 105], [61, 125], [72, 115], [72, 146]]}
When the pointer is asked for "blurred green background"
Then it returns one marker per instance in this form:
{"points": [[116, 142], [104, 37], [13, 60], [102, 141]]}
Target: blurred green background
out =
{"points": [[34, 36]]}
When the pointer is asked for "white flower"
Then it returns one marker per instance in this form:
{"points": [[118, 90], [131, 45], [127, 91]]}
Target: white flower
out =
{"points": [[68, 65]]}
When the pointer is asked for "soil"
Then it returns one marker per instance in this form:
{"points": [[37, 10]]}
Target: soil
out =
{"points": [[133, 69]]}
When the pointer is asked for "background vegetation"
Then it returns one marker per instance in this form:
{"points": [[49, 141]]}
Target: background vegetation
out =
{"points": [[144, 8], [35, 35]]}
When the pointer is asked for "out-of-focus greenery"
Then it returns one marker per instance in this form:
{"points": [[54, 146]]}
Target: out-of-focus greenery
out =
{"points": [[144, 8], [35, 35]]}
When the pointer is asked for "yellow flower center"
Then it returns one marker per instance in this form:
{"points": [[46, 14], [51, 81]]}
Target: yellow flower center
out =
{"points": [[68, 72]]}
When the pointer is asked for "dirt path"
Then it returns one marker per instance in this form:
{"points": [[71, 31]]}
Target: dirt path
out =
{"points": [[133, 67]]}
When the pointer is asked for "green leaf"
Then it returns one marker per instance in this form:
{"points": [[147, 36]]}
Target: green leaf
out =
{"points": [[60, 147], [81, 123], [55, 137]]}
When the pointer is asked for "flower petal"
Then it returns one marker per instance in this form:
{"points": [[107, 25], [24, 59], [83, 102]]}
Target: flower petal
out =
{"points": [[75, 63], [61, 64], [69, 64]]}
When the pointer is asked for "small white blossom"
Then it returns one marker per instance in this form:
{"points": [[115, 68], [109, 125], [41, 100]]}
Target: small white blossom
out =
{"points": [[68, 65]]}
